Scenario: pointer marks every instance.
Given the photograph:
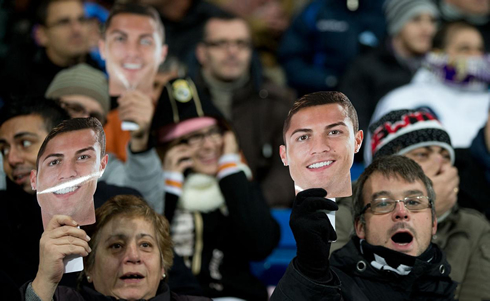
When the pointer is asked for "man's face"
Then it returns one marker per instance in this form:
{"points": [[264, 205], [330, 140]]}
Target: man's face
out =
{"points": [[68, 156], [133, 51], [65, 34], [320, 146], [432, 159], [82, 106], [417, 33], [20, 140], [226, 51], [464, 42], [401, 230]]}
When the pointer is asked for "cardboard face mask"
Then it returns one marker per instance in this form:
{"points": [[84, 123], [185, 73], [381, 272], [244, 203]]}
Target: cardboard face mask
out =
{"points": [[66, 180], [67, 176], [319, 150]]}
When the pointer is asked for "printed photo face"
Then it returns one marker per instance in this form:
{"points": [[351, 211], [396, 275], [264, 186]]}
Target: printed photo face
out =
{"points": [[320, 147], [67, 176]]}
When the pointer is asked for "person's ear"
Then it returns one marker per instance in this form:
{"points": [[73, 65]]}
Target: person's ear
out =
{"points": [[103, 163], [102, 49], [41, 35], [163, 54], [283, 154], [33, 179], [434, 226], [201, 53], [358, 140], [360, 228]]}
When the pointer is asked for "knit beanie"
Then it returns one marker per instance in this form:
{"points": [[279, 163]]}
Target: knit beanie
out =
{"points": [[180, 110], [81, 79], [399, 12], [399, 132]]}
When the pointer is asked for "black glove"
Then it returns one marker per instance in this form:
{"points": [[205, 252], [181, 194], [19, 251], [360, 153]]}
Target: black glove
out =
{"points": [[313, 233]]}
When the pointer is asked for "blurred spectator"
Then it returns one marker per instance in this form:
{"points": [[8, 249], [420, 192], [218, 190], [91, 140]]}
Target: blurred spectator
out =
{"points": [[453, 85], [63, 34], [463, 234], [184, 21], [219, 218], [83, 92], [411, 27], [133, 48], [230, 76], [23, 126], [324, 38], [268, 19], [475, 12], [474, 171]]}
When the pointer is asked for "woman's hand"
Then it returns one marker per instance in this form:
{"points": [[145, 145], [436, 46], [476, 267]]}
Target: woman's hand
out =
{"points": [[60, 239], [178, 159], [230, 144]]}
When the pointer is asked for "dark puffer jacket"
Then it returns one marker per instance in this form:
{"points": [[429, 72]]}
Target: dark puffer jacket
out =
{"points": [[355, 279]]}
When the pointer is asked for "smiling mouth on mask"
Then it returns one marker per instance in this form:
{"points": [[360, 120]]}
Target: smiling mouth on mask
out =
{"points": [[70, 186], [319, 164]]}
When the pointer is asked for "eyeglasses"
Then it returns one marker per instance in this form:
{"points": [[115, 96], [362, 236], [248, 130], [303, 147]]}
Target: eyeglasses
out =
{"points": [[67, 22], [195, 140], [225, 44], [75, 109], [386, 205]]}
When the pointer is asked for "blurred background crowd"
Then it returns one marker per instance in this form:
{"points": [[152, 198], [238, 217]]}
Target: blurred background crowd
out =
{"points": [[222, 85]]}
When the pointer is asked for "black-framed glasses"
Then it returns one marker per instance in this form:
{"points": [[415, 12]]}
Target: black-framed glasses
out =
{"points": [[197, 139], [75, 109], [67, 22], [387, 205], [225, 44]]}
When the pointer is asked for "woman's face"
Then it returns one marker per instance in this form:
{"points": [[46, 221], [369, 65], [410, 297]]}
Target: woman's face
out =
{"points": [[128, 261], [206, 147]]}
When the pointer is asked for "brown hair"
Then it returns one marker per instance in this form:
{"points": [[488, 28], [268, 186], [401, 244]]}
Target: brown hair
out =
{"points": [[318, 99], [75, 124], [134, 8], [399, 167], [133, 207]]}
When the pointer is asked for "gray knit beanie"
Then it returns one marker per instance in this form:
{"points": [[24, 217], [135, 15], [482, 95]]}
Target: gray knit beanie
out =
{"points": [[81, 79], [399, 12]]}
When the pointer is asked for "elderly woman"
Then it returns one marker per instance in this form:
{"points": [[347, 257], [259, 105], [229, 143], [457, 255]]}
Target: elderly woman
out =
{"points": [[219, 218], [126, 257]]}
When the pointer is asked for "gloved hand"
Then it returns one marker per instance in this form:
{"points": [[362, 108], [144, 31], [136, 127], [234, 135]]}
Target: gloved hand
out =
{"points": [[313, 233]]}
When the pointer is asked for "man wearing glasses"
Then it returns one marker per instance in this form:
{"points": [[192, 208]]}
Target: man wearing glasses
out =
{"points": [[63, 34], [463, 234], [228, 74], [390, 258]]}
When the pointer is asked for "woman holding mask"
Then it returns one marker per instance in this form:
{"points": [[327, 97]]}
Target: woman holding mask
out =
{"points": [[219, 218], [126, 256]]}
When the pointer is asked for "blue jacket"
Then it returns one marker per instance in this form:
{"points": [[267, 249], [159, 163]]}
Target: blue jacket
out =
{"points": [[324, 38]]}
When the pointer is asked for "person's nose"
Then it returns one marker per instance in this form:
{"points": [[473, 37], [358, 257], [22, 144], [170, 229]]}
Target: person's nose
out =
{"points": [[400, 212], [132, 49], [132, 253], [68, 170], [15, 156], [320, 145]]}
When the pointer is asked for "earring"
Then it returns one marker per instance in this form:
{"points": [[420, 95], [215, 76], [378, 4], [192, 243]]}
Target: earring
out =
{"points": [[164, 276], [89, 279]]}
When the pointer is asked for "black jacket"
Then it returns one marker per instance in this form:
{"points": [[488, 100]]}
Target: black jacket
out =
{"points": [[230, 239], [29, 72], [355, 279]]}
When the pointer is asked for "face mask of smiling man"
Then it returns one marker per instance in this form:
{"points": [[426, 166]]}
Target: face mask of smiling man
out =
{"points": [[69, 163]]}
